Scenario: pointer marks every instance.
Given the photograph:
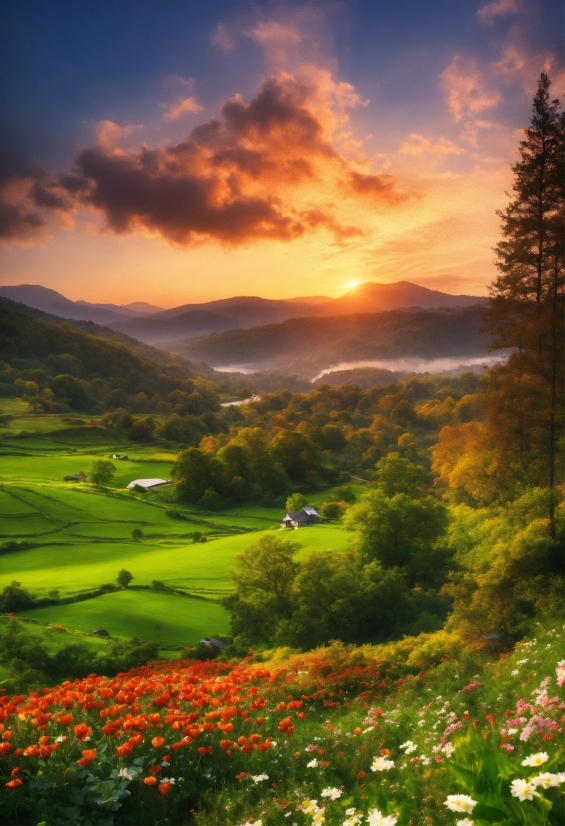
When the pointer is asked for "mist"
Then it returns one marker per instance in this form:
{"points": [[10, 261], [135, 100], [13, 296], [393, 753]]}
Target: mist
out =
{"points": [[415, 364]]}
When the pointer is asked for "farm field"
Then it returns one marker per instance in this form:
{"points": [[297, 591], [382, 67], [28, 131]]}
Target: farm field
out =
{"points": [[162, 618], [73, 537]]}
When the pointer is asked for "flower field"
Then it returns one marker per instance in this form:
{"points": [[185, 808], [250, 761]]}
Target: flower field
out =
{"points": [[381, 735]]}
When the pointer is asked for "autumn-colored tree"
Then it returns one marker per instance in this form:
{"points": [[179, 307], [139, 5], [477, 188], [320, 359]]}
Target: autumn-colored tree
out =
{"points": [[526, 306], [516, 444]]}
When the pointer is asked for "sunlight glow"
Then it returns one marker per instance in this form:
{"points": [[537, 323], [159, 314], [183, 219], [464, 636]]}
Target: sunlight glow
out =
{"points": [[352, 284]]}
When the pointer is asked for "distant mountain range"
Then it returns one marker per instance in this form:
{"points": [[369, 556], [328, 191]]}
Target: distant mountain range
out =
{"points": [[245, 312], [50, 301], [154, 325], [306, 345]]}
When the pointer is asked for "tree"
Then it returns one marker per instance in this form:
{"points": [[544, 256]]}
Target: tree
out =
{"points": [[526, 306], [136, 534], [296, 502], [402, 532], [395, 474], [263, 576], [15, 598], [101, 472], [124, 578]]}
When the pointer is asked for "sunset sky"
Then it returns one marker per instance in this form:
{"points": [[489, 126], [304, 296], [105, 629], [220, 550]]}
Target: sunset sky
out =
{"points": [[173, 151]]}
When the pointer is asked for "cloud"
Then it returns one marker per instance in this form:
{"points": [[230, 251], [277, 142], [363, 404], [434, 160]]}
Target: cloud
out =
{"points": [[263, 169], [467, 93], [520, 62], [498, 8], [222, 39], [110, 134], [182, 107], [381, 188], [24, 192], [274, 32], [419, 145]]}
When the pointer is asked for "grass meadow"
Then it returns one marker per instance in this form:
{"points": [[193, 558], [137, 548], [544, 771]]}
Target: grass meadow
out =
{"points": [[76, 537]]}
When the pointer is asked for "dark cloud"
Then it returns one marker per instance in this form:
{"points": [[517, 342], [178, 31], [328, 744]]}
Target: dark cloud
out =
{"points": [[24, 192], [235, 178], [380, 187], [263, 169]]}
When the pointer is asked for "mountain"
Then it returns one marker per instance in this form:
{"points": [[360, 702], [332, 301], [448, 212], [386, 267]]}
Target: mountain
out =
{"points": [[309, 299], [307, 345], [153, 325], [43, 298], [373, 298], [191, 320], [243, 312], [142, 307]]}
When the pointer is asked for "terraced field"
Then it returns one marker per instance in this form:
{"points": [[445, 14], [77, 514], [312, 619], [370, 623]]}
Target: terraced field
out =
{"points": [[70, 538]]}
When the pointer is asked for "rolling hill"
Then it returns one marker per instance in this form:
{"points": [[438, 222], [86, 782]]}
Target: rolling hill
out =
{"points": [[191, 320], [244, 312], [152, 325], [312, 344]]}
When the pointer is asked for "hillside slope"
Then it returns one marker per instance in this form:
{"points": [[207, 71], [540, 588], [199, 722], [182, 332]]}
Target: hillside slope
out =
{"points": [[319, 342]]}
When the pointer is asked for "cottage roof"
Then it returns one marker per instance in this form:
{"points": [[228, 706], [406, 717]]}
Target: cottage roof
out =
{"points": [[310, 511], [296, 516], [147, 483]]}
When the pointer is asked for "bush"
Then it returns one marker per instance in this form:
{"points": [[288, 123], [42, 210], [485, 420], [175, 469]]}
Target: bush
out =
{"points": [[15, 598]]}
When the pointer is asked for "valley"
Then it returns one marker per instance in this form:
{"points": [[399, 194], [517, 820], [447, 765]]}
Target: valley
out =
{"points": [[64, 541]]}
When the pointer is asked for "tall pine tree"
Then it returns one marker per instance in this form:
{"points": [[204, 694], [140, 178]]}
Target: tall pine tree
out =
{"points": [[524, 399]]}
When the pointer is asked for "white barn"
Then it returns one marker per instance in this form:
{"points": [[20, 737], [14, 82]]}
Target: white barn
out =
{"points": [[149, 484]]}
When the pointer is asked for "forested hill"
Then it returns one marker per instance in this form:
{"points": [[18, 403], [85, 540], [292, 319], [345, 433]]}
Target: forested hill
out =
{"points": [[56, 367], [99, 330], [319, 342]]}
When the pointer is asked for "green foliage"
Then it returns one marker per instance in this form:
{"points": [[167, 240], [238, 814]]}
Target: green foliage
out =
{"points": [[263, 576], [15, 598], [136, 534], [510, 568], [102, 472], [248, 467], [333, 510], [29, 662], [400, 529], [124, 578], [296, 502]]}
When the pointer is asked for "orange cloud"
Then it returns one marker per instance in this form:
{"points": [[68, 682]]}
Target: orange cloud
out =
{"points": [[419, 145], [182, 107], [264, 169]]}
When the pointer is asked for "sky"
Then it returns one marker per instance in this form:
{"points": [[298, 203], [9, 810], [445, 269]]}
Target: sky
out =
{"points": [[173, 151]]}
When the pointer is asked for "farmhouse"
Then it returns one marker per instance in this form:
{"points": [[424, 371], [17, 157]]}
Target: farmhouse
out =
{"points": [[77, 477], [100, 632], [148, 484], [212, 642], [120, 457], [301, 519]]}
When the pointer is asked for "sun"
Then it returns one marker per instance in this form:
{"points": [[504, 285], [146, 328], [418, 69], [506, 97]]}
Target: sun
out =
{"points": [[352, 284]]}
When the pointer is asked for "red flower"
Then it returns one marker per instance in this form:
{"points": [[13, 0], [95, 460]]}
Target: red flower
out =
{"points": [[88, 756], [157, 742], [11, 784], [150, 781], [82, 731]]}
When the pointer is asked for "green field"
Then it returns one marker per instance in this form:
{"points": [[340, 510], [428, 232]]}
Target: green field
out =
{"points": [[78, 537], [163, 618]]}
